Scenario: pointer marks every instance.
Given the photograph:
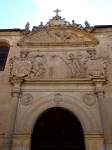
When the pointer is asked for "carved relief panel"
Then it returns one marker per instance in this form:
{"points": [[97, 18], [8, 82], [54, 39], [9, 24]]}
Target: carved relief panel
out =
{"points": [[57, 36], [37, 65]]}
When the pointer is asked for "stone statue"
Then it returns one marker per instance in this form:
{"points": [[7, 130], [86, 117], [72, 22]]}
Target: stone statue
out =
{"points": [[87, 24], [41, 25], [27, 26]]}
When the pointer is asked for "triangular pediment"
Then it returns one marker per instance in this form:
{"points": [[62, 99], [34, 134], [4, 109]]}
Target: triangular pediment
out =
{"points": [[59, 35]]}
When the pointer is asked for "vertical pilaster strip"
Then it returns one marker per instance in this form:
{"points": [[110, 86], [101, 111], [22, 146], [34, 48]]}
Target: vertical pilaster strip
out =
{"points": [[104, 118], [11, 122], [7, 142]]}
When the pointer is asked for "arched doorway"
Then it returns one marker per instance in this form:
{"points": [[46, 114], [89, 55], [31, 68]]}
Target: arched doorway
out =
{"points": [[57, 129]]}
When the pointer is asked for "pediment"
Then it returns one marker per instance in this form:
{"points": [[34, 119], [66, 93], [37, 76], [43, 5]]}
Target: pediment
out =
{"points": [[55, 35]]}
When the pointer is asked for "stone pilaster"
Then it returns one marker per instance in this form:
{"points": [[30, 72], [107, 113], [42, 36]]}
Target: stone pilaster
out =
{"points": [[104, 119], [7, 142]]}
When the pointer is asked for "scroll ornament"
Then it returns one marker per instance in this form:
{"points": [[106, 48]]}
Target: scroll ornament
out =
{"points": [[39, 66]]}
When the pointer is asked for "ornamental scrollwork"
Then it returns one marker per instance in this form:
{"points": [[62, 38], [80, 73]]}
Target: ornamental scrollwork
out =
{"points": [[72, 65], [97, 65]]}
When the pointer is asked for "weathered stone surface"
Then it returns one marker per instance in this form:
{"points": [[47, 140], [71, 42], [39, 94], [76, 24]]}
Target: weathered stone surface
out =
{"points": [[60, 65]]}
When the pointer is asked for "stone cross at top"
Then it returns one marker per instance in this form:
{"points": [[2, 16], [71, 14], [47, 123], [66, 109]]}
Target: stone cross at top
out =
{"points": [[57, 11]]}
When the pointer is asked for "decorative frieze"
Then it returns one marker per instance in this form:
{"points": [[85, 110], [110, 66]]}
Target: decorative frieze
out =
{"points": [[58, 66]]}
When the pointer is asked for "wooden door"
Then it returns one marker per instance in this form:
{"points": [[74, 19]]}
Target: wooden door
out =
{"points": [[57, 129]]}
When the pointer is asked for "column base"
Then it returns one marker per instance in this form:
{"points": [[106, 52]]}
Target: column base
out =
{"points": [[6, 146], [108, 145]]}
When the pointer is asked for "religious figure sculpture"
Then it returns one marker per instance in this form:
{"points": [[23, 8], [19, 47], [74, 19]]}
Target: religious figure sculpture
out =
{"points": [[75, 65], [87, 24], [27, 26], [40, 71]]}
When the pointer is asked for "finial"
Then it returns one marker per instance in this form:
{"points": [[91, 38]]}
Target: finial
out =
{"points": [[57, 11]]}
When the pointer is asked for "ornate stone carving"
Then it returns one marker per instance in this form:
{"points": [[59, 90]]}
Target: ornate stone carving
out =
{"points": [[76, 25], [40, 72], [57, 36], [27, 99], [39, 27], [24, 65], [20, 66], [89, 99], [57, 99], [77, 68], [108, 144], [27, 31], [63, 35], [15, 93], [100, 93], [6, 146], [51, 71], [58, 66], [87, 24], [97, 65]]}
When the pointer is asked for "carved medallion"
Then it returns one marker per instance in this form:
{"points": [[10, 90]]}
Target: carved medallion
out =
{"points": [[27, 99], [89, 99], [57, 99]]}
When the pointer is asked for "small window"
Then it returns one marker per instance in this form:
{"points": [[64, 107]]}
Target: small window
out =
{"points": [[4, 49]]}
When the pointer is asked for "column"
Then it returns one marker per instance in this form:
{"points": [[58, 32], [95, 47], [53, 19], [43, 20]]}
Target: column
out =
{"points": [[7, 142], [104, 119]]}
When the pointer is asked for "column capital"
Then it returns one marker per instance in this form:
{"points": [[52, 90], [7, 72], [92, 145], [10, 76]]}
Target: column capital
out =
{"points": [[6, 145], [15, 92], [17, 82], [100, 92]]}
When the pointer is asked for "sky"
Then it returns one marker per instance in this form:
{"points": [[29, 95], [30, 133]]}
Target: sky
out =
{"points": [[16, 13]]}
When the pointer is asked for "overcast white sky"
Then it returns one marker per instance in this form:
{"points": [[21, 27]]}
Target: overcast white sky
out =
{"points": [[16, 13]]}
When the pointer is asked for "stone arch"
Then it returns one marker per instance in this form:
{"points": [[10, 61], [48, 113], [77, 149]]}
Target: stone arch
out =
{"points": [[33, 112], [8, 43], [55, 122]]}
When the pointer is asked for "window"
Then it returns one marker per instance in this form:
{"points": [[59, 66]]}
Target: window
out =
{"points": [[4, 49]]}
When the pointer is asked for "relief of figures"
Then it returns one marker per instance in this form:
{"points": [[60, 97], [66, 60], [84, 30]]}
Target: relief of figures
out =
{"points": [[35, 66], [75, 65], [40, 72]]}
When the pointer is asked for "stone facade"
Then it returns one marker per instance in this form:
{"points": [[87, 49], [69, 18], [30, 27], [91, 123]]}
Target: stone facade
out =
{"points": [[59, 64]]}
